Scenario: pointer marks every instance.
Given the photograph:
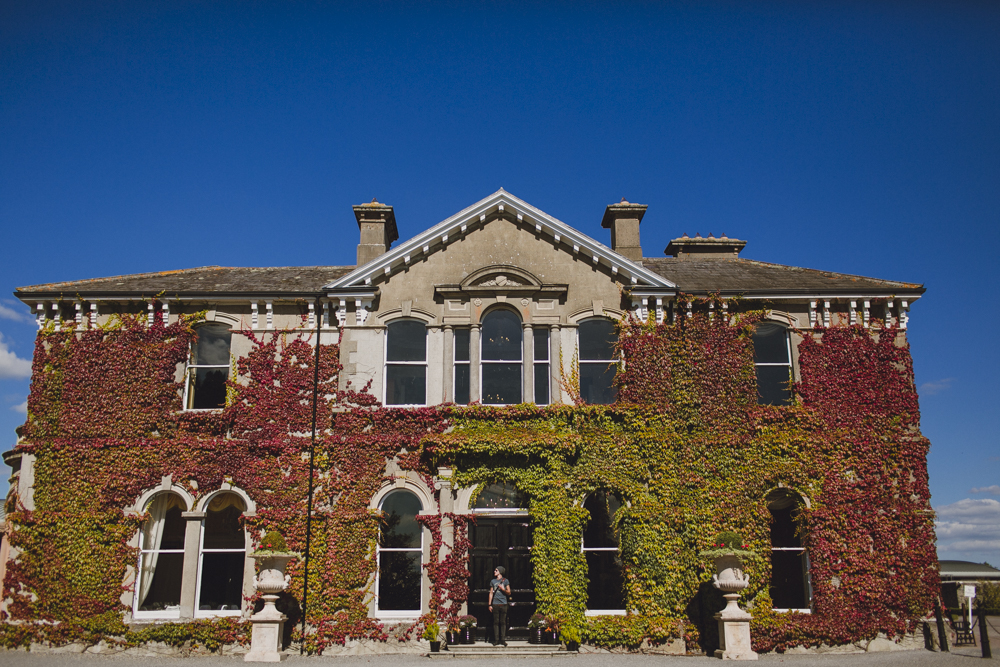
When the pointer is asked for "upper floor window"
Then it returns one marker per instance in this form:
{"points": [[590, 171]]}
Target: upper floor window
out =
{"points": [[161, 558], [399, 553], [597, 361], [223, 554], [772, 359], [462, 366], [209, 368], [606, 587], [406, 363], [541, 347], [502, 351]]}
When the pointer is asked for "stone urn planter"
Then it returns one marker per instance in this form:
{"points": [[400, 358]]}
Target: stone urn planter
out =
{"points": [[734, 623], [269, 623]]}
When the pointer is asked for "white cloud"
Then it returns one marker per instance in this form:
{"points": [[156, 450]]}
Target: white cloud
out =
{"points": [[12, 312], [11, 365], [992, 489], [935, 387], [20, 407], [969, 530]]}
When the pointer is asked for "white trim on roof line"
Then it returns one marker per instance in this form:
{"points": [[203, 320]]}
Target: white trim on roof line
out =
{"points": [[500, 201]]}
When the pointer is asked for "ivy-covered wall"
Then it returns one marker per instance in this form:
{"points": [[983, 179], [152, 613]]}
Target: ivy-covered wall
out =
{"points": [[686, 447]]}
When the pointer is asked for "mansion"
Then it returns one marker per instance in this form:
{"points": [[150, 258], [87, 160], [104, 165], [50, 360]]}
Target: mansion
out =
{"points": [[500, 304]]}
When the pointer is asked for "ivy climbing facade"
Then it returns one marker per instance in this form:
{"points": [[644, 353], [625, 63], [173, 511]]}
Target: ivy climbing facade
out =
{"points": [[500, 389]]}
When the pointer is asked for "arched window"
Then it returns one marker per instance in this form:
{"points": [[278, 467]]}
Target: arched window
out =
{"points": [[222, 557], [406, 363], [772, 359], [209, 368], [400, 551], [606, 589], [161, 558], [502, 351], [597, 361], [500, 498], [790, 587]]}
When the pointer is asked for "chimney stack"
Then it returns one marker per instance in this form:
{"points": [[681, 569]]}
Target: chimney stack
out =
{"points": [[699, 248], [378, 230], [623, 220]]}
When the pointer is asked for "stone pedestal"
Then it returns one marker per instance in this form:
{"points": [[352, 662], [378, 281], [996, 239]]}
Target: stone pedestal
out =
{"points": [[269, 623], [734, 623], [734, 631]]}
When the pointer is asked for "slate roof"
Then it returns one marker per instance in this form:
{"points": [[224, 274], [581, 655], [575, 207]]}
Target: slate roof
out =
{"points": [[748, 276], [204, 281], [961, 569]]}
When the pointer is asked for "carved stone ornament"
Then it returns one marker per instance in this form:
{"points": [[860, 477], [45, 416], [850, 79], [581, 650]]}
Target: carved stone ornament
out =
{"points": [[500, 281], [478, 302], [268, 623]]}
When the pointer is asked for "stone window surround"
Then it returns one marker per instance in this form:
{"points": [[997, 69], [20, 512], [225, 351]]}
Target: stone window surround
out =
{"points": [[194, 528]]}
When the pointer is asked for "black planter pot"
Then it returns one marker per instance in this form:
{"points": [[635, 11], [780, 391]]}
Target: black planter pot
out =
{"points": [[535, 636], [572, 646], [551, 637], [435, 647], [468, 635], [452, 638]]}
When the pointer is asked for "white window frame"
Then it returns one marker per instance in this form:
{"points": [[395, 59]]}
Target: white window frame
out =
{"points": [[386, 363], [788, 353], [455, 363], [399, 614], [617, 362], [215, 613], [536, 363], [165, 613], [484, 362], [191, 369]]}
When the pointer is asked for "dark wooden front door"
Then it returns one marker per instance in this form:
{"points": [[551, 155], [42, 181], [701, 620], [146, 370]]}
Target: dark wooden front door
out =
{"points": [[501, 541]]}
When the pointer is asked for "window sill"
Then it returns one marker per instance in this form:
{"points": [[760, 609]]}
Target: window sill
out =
{"points": [[205, 613], [604, 612], [797, 611], [397, 615], [166, 614]]}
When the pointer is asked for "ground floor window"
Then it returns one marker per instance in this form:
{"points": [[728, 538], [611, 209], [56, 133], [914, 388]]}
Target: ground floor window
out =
{"points": [[606, 584], [223, 553], [161, 557], [790, 588], [400, 555]]}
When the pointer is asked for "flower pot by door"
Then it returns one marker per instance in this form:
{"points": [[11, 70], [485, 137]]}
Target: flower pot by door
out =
{"points": [[572, 646], [468, 635], [452, 638], [535, 636], [435, 647]]}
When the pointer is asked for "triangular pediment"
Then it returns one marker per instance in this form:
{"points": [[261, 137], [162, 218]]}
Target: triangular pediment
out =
{"points": [[475, 219]]}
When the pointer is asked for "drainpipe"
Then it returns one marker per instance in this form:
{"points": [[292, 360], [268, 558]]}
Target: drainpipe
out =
{"points": [[312, 471]]}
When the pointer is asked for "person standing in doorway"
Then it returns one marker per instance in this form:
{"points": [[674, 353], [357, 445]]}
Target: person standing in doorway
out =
{"points": [[499, 594]]}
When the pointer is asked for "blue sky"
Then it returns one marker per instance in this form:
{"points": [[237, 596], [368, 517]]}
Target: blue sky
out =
{"points": [[856, 137]]}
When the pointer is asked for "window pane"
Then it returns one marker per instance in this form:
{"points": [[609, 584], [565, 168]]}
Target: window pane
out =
{"points": [[405, 385], [501, 496], [770, 344], [772, 385], [461, 344], [501, 384], [595, 383], [600, 531], [166, 571], [788, 580], [165, 527], [407, 341], [462, 383], [606, 588], [399, 581], [541, 344], [223, 529], [221, 581], [541, 384], [502, 337], [400, 529], [209, 388], [212, 346], [597, 340]]}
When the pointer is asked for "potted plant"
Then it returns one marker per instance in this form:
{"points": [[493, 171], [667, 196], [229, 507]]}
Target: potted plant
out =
{"points": [[552, 630], [272, 555], [536, 626], [452, 635], [571, 636], [431, 630], [467, 628]]}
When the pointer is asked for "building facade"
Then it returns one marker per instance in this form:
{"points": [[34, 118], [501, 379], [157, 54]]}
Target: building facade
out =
{"points": [[206, 438]]}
